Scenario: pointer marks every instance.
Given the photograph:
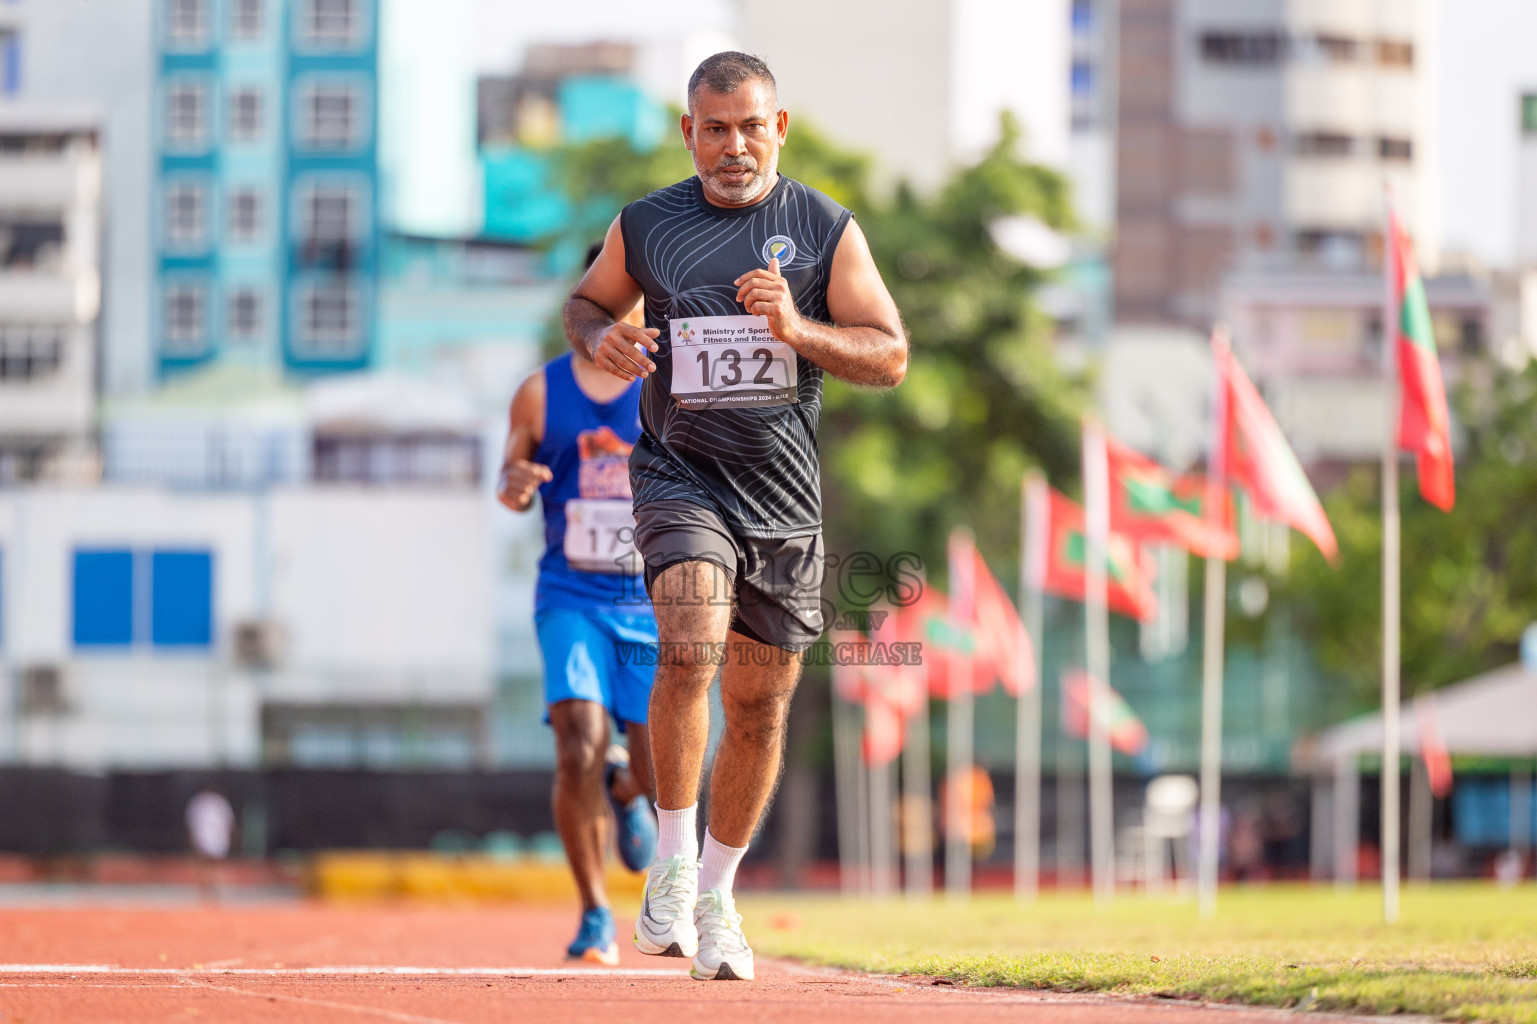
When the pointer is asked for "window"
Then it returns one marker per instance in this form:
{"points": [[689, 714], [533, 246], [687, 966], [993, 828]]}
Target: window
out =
{"points": [[1253, 48], [184, 214], [103, 598], [1340, 49], [330, 320], [186, 114], [1082, 16], [1395, 54], [185, 330], [30, 352], [245, 314], [30, 241], [187, 21], [329, 215], [246, 18], [1395, 149], [110, 588], [10, 62], [245, 215], [333, 22], [330, 117], [1529, 113], [1324, 144], [245, 115], [1082, 78], [181, 598]]}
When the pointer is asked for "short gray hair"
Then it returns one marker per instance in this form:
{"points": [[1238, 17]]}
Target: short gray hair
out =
{"points": [[724, 72]]}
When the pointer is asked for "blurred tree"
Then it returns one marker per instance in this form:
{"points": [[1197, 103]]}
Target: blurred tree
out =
{"points": [[1469, 575], [984, 398]]}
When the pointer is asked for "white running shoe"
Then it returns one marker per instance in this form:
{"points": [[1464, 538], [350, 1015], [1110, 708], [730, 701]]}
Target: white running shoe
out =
{"points": [[665, 926], [724, 954]]}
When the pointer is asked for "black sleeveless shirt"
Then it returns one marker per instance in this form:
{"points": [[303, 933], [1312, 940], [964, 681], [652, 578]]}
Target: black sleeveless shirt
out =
{"points": [[757, 466]]}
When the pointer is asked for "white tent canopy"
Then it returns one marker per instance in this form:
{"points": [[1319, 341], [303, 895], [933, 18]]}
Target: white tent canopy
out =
{"points": [[1493, 714]]}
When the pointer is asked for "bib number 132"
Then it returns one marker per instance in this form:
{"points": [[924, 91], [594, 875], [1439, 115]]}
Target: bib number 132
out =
{"points": [[730, 360]]}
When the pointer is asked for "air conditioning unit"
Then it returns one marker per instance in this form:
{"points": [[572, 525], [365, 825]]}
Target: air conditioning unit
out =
{"points": [[259, 643], [45, 690]]}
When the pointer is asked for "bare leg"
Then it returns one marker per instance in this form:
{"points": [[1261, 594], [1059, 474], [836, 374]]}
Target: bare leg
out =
{"points": [[581, 816], [693, 611], [633, 781], [756, 688]]}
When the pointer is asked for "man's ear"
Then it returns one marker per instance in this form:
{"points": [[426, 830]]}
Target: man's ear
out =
{"points": [[686, 125], [783, 125]]}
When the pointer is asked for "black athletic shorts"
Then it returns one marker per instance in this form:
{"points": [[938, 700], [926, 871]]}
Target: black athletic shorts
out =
{"points": [[776, 584]]}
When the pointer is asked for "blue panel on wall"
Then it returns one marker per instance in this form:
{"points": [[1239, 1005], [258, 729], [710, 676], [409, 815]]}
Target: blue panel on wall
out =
{"points": [[103, 598], [181, 598]]}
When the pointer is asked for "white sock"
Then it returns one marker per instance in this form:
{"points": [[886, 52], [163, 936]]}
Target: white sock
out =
{"points": [[717, 869], [677, 833]]}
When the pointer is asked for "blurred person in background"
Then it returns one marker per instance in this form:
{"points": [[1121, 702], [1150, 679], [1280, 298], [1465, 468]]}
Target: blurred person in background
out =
{"points": [[210, 827], [754, 285], [571, 429]]}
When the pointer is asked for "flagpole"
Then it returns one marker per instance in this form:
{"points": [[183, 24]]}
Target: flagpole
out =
{"points": [[846, 782], [1027, 725], [882, 858], [959, 727], [1390, 578], [1213, 642], [917, 807], [1097, 653]]}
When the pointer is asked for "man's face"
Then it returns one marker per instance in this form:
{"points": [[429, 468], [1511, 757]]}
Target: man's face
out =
{"points": [[735, 138]]}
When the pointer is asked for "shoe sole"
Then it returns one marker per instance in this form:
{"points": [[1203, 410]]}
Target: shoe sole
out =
{"points": [[722, 973], [650, 948], [602, 957]]}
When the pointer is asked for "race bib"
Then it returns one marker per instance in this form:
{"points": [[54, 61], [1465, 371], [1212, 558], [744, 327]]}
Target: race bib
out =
{"points": [[600, 536], [730, 360]]}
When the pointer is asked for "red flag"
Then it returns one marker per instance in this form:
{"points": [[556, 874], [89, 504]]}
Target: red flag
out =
{"points": [[1424, 425], [1147, 502], [858, 681], [1003, 648], [1083, 697], [1257, 458], [1438, 760], [1063, 570]]}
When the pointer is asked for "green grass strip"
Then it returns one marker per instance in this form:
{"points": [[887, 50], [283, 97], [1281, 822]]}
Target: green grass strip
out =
{"points": [[1462, 952]]}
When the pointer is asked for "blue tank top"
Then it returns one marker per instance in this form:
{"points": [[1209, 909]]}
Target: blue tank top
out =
{"points": [[587, 447]]}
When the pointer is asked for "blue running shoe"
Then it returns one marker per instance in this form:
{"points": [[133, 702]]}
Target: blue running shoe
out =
{"points": [[594, 942], [637, 825]]}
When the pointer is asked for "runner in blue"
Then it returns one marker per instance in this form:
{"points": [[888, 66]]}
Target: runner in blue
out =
{"points": [[572, 426]]}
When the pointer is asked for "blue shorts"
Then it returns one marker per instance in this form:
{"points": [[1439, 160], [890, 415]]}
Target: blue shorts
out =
{"points": [[583, 660]]}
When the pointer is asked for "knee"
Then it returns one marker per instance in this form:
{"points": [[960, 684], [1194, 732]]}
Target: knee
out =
{"points": [[759, 715], [578, 752]]}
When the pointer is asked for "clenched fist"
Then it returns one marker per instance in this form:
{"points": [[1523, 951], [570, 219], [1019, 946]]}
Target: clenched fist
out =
{"points": [[765, 293], [519, 480]]}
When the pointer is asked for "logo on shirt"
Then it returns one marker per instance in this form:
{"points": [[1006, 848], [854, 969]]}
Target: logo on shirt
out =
{"points": [[779, 248], [604, 467]]}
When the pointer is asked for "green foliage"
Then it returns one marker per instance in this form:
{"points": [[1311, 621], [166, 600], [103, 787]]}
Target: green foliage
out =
{"points": [[1469, 576], [983, 399]]}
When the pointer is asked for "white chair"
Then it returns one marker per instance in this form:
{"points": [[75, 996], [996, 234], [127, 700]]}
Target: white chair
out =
{"points": [[1168, 815]]}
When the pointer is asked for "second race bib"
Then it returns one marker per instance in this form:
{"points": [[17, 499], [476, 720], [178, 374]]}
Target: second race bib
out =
{"points": [[730, 360], [600, 536]]}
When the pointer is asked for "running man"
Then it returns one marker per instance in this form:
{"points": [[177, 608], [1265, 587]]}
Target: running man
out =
{"points": [[572, 427], [753, 285]]}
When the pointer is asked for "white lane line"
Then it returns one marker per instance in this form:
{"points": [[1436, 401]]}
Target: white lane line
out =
{"points": [[367, 1011], [345, 969]]}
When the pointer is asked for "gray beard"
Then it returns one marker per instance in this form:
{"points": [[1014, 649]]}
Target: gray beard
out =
{"points": [[742, 194]]}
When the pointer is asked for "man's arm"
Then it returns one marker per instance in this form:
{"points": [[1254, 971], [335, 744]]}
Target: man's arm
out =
{"points": [[866, 342], [520, 477], [594, 315]]}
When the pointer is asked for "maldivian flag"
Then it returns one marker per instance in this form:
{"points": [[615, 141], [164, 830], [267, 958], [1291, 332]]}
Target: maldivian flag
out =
{"points": [[1064, 568], [1150, 503], [928, 621], [1424, 427], [1258, 459], [872, 687], [1084, 697]]}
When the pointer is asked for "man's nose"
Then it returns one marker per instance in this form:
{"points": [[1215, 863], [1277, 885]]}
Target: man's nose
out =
{"points": [[736, 143]]}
